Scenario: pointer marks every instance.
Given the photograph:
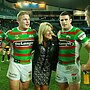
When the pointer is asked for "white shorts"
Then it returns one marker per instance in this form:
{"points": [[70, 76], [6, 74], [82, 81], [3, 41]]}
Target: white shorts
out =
{"points": [[68, 73], [18, 71]]}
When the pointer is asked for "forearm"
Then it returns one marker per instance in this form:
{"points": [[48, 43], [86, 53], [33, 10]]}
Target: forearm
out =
{"points": [[88, 62], [87, 65], [3, 45]]}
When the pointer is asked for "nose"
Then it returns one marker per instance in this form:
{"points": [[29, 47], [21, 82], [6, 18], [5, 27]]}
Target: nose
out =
{"points": [[27, 20], [64, 20]]}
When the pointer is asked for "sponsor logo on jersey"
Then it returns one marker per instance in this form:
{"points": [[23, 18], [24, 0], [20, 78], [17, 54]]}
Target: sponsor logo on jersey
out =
{"points": [[66, 43], [23, 43], [82, 36]]}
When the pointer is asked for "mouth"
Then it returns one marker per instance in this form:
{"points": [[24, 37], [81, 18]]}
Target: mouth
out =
{"points": [[64, 24], [27, 24]]}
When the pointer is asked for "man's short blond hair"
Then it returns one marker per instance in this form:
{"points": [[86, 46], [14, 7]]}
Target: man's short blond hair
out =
{"points": [[21, 13]]}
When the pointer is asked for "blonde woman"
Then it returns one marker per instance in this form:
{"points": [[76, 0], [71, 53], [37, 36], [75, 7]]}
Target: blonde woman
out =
{"points": [[46, 52]]}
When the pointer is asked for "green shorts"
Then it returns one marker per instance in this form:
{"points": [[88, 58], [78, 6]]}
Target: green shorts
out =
{"points": [[68, 73]]}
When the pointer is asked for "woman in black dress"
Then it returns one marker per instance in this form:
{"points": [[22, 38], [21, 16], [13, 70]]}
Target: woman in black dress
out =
{"points": [[45, 56]]}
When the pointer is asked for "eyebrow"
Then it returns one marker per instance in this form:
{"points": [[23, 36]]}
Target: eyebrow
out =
{"points": [[63, 19]]}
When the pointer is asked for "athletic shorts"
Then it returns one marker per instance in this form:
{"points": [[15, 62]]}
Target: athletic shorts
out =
{"points": [[18, 71], [68, 73]]}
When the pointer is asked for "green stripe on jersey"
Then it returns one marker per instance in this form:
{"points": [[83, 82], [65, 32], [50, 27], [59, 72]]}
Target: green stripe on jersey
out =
{"points": [[69, 44], [22, 42]]}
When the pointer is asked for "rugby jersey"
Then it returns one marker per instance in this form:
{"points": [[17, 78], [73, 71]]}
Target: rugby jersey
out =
{"points": [[22, 43], [69, 44], [1, 37]]}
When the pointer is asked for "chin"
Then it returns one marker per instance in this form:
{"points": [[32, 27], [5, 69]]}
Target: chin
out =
{"points": [[26, 28]]}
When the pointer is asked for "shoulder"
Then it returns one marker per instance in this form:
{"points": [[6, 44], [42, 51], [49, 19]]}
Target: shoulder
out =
{"points": [[77, 30], [12, 30], [59, 33], [9, 31], [34, 30], [1, 32]]}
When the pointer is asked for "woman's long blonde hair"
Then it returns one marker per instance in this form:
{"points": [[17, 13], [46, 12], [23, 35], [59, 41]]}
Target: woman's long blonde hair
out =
{"points": [[43, 28]]}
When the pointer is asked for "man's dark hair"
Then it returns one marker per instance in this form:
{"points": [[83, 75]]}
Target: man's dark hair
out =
{"points": [[66, 13]]}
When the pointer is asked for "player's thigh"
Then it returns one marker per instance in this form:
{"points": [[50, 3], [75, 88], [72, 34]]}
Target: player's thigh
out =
{"points": [[63, 86], [25, 85], [74, 86], [14, 84]]}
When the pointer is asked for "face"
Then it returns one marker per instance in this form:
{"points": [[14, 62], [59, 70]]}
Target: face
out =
{"points": [[24, 22], [48, 34], [87, 18], [65, 22]]}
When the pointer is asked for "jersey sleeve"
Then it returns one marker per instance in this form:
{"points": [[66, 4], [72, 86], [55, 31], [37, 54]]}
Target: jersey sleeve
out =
{"points": [[6, 39], [81, 36], [3, 35]]}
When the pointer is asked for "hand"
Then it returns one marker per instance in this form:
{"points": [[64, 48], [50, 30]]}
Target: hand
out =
{"points": [[85, 67]]}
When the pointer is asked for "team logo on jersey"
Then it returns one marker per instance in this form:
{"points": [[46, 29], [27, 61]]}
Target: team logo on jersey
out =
{"points": [[30, 36], [16, 37], [68, 37]]}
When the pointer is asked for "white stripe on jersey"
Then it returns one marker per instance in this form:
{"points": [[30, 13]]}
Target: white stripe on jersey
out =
{"points": [[82, 36]]}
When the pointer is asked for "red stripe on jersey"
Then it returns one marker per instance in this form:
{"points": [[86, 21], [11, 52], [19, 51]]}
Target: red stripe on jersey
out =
{"points": [[22, 61], [16, 33], [0, 38], [70, 47], [61, 39], [7, 39], [21, 48], [71, 32], [0, 32], [16, 54], [67, 55]]}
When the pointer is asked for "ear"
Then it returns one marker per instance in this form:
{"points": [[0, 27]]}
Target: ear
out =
{"points": [[70, 20]]}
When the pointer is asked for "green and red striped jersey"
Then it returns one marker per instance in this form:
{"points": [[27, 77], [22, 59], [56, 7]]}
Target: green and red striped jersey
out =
{"points": [[2, 35], [22, 43], [70, 43]]}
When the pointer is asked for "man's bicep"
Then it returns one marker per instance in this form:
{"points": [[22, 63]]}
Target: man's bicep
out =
{"points": [[87, 46]]}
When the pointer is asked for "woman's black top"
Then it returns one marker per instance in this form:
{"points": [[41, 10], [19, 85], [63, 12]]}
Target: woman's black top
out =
{"points": [[44, 61]]}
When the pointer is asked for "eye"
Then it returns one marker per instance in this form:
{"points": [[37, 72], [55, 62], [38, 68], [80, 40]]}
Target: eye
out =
{"points": [[62, 19], [66, 19]]}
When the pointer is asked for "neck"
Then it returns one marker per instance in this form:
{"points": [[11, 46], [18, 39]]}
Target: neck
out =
{"points": [[66, 29], [22, 29]]}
